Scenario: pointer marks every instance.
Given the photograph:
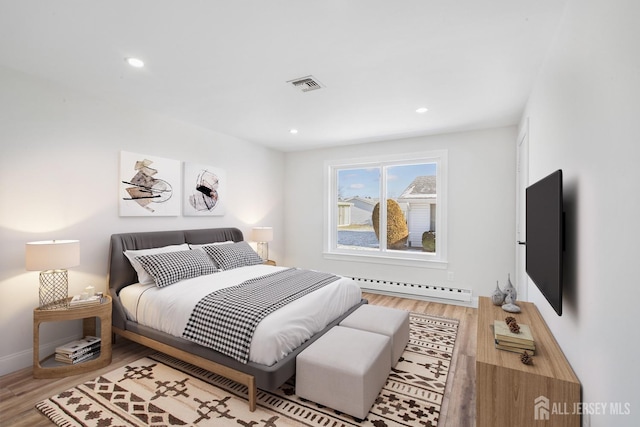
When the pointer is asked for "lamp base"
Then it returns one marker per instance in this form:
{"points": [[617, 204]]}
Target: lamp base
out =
{"points": [[54, 289], [263, 250]]}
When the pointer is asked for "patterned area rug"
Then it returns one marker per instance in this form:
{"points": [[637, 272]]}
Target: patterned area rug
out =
{"points": [[161, 391]]}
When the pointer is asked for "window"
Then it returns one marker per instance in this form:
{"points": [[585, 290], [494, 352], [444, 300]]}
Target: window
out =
{"points": [[388, 209]]}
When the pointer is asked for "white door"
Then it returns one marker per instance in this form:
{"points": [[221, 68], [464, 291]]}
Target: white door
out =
{"points": [[522, 181], [418, 222]]}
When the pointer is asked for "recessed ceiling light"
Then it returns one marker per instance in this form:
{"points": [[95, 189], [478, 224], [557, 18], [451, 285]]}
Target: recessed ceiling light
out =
{"points": [[135, 62], [422, 110], [293, 131]]}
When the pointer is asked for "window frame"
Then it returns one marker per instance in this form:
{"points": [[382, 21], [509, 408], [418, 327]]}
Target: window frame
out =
{"points": [[393, 257]]}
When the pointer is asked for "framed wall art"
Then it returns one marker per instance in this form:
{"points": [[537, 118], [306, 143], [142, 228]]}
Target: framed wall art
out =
{"points": [[149, 185], [204, 190]]}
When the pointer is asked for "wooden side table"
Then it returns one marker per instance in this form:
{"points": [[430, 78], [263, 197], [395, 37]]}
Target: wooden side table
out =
{"points": [[49, 367], [270, 262]]}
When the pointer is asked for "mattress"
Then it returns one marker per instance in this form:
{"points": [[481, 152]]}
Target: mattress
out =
{"points": [[168, 309]]}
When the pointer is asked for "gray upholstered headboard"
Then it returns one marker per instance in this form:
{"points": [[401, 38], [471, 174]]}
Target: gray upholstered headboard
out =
{"points": [[121, 273]]}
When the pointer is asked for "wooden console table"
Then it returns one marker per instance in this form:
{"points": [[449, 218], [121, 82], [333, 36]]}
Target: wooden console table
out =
{"points": [[510, 393]]}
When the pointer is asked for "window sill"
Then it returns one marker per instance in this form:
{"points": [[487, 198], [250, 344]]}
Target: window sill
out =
{"points": [[383, 259]]}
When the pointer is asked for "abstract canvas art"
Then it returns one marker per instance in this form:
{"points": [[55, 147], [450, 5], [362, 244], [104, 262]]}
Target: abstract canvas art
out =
{"points": [[204, 190], [149, 185]]}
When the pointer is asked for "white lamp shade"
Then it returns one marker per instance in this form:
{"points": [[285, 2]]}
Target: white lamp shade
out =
{"points": [[52, 254], [262, 234]]}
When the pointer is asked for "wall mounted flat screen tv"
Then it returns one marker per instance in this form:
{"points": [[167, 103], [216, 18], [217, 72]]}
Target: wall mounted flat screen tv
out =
{"points": [[545, 237]]}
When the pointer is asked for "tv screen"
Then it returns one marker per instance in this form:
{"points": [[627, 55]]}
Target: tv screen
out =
{"points": [[545, 237]]}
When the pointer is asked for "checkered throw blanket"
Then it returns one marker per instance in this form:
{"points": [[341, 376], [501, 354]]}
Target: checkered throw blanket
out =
{"points": [[225, 320]]}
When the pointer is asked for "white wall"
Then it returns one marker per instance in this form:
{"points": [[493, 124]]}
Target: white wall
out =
{"points": [[481, 203], [583, 116], [59, 179]]}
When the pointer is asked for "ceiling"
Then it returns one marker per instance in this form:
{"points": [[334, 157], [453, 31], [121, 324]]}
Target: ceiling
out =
{"points": [[224, 65]]}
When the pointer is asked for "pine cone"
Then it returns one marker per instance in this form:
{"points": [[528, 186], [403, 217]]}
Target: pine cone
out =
{"points": [[513, 324], [526, 358], [514, 327]]}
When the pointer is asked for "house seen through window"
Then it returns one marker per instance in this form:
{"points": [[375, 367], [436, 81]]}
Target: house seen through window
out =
{"points": [[388, 209]]}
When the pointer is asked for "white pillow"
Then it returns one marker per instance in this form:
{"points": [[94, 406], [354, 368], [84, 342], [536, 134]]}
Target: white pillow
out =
{"points": [[144, 277], [195, 246]]}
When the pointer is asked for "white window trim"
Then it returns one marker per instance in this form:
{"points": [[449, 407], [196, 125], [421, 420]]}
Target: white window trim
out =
{"points": [[412, 259]]}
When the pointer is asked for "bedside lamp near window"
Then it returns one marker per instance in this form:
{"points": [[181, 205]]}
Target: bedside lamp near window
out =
{"points": [[263, 235], [52, 258]]}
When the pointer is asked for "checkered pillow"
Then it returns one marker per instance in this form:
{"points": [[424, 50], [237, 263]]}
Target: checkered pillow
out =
{"points": [[233, 255], [171, 267], [143, 277]]}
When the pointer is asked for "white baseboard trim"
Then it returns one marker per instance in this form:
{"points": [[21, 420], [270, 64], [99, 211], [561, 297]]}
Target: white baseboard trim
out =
{"points": [[24, 359]]}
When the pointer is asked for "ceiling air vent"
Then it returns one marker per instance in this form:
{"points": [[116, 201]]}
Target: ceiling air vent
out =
{"points": [[306, 84]]}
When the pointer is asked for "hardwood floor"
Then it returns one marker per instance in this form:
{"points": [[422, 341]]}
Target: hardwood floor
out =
{"points": [[459, 404], [19, 391]]}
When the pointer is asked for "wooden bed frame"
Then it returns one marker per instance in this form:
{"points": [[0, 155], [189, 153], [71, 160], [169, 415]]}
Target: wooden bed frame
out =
{"points": [[122, 274]]}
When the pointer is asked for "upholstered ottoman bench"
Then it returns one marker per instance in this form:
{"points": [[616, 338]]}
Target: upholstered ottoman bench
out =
{"points": [[387, 321], [345, 369]]}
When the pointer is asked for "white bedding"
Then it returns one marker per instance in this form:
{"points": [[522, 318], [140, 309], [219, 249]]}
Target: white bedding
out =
{"points": [[168, 309]]}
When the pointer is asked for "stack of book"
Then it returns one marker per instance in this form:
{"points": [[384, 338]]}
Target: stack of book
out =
{"points": [[510, 341], [78, 301], [79, 350]]}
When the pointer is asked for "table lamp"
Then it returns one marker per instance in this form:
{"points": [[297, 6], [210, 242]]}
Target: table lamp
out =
{"points": [[52, 258], [263, 235]]}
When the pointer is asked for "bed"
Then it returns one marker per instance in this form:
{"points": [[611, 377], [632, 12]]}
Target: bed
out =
{"points": [[264, 372]]}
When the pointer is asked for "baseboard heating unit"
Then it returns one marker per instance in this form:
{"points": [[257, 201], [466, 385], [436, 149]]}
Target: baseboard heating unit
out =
{"points": [[439, 292]]}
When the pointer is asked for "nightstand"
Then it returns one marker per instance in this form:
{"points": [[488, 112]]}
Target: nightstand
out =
{"points": [[270, 262], [49, 367]]}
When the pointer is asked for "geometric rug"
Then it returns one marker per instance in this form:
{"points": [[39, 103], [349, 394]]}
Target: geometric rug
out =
{"points": [[159, 390]]}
